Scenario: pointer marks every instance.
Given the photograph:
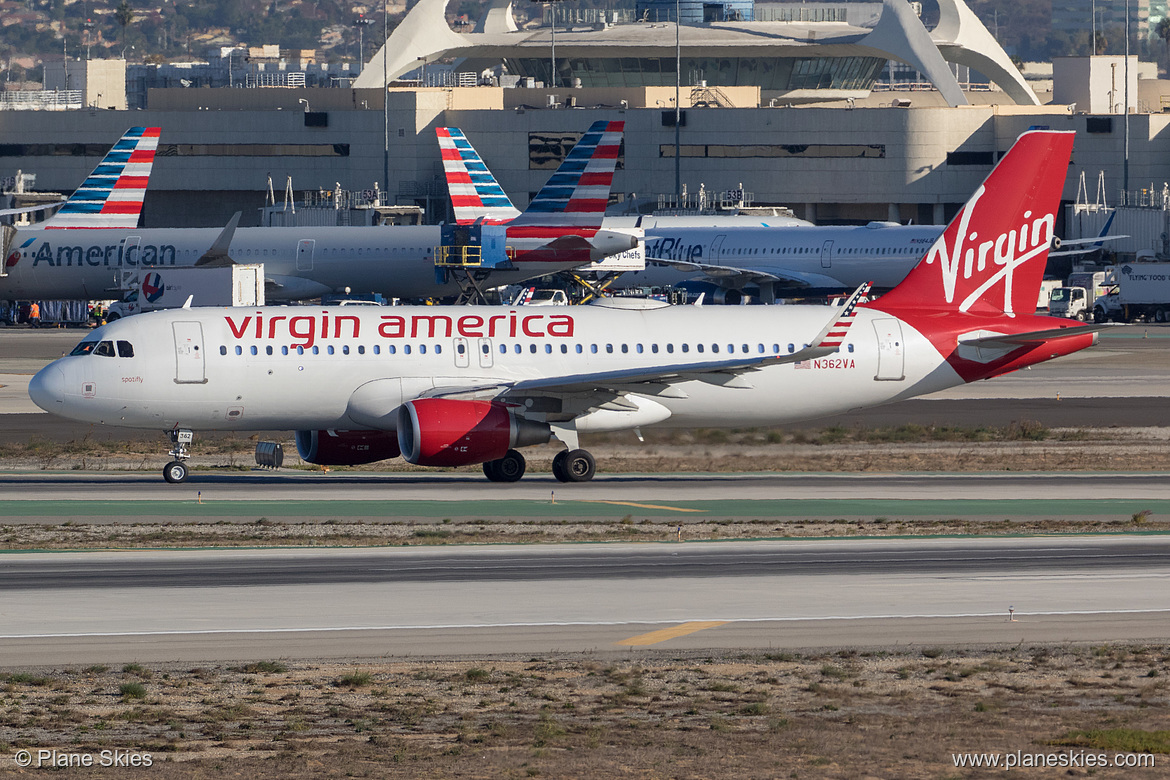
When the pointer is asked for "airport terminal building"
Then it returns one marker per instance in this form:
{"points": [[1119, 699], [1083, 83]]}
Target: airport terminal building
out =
{"points": [[788, 111]]}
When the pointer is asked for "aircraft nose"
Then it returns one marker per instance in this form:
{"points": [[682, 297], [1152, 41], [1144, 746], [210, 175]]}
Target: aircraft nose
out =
{"points": [[47, 388]]}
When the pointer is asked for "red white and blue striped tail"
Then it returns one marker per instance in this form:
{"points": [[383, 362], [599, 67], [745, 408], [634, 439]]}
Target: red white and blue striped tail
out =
{"points": [[834, 335], [111, 197], [577, 194], [475, 193]]}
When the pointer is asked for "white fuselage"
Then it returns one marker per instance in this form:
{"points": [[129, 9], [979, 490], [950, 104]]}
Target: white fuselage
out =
{"points": [[343, 368], [303, 262], [820, 257]]}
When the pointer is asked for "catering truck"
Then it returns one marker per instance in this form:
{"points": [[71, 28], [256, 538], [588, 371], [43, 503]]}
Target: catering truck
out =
{"points": [[1076, 299], [160, 287], [1140, 293]]}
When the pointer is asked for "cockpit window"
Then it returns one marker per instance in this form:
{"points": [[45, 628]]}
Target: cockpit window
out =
{"points": [[125, 349], [105, 349], [84, 348]]}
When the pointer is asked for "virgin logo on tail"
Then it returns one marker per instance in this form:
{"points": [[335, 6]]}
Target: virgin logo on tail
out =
{"points": [[1008, 250], [991, 257]]}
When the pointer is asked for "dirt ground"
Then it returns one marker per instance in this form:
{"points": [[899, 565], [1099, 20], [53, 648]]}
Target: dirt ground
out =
{"points": [[896, 714]]}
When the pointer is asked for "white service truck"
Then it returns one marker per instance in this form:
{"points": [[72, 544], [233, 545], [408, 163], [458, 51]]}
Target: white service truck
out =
{"points": [[158, 287], [1076, 299], [1141, 293]]}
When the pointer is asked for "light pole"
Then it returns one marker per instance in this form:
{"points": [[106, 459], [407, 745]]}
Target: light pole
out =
{"points": [[677, 104], [551, 5], [385, 101], [361, 22], [1125, 162]]}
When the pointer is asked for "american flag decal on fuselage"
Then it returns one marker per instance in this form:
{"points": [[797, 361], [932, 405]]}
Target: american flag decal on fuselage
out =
{"points": [[111, 196], [836, 334], [475, 193]]}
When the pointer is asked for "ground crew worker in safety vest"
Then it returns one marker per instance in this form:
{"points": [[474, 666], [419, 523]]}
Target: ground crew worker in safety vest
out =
{"points": [[34, 314]]}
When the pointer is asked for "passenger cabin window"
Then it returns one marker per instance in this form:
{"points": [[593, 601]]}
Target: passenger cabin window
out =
{"points": [[223, 350]]}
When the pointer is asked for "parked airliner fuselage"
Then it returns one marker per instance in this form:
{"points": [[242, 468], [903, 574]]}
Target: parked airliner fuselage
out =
{"points": [[303, 262]]}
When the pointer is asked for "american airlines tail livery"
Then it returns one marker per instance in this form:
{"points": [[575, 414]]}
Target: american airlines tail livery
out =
{"points": [[561, 229], [111, 197], [467, 385], [731, 257]]}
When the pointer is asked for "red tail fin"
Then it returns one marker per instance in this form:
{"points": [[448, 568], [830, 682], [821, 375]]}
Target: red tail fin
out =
{"points": [[991, 257]]}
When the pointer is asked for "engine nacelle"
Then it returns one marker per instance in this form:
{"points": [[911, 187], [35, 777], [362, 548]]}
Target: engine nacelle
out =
{"points": [[720, 296], [346, 448], [446, 432]]}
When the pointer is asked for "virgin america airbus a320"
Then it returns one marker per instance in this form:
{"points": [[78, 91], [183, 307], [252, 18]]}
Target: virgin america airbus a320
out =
{"points": [[472, 385]]}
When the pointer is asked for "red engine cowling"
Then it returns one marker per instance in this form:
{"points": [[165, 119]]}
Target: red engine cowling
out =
{"points": [[346, 448], [445, 432]]}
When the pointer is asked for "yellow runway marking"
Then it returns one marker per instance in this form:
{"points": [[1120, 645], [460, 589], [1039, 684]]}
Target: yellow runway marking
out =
{"points": [[645, 506], [662, 634]]}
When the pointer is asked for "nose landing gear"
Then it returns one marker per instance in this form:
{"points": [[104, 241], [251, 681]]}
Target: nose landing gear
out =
{"points": [[176, 471]]}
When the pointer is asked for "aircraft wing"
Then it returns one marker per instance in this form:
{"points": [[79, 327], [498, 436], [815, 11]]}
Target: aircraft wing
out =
{"points": [[29, 209], [608, 385], [739, 276], [1012, 340], [1093, 243], [217, 255]]}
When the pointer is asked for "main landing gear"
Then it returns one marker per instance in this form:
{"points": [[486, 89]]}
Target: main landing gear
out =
{"points": [[507, 469], [176, 471], [574, 466]]}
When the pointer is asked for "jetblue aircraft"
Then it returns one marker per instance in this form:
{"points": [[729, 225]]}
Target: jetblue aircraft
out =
{"points": [[452, 386], [732, 257], [559, 230]]}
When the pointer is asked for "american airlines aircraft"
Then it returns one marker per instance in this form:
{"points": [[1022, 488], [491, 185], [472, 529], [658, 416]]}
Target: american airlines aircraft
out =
{"points": [[735, 256], [559, 230], [466, 385]]}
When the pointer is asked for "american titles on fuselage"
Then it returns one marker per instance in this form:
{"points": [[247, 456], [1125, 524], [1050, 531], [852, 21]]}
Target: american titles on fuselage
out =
{"points": [[306, 329], [120, 254]]}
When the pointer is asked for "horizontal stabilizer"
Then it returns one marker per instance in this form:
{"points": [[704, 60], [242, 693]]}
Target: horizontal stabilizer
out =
{"points": [[1032, 337]]}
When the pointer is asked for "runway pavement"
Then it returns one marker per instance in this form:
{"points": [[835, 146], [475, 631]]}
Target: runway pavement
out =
{"points": [[95, 488], [69, 608], [209, 606]]}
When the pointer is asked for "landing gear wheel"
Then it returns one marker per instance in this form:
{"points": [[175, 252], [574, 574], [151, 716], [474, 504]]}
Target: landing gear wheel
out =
{"points": [[175, 472], [507, 469], [558, 466], [576, 466]]}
